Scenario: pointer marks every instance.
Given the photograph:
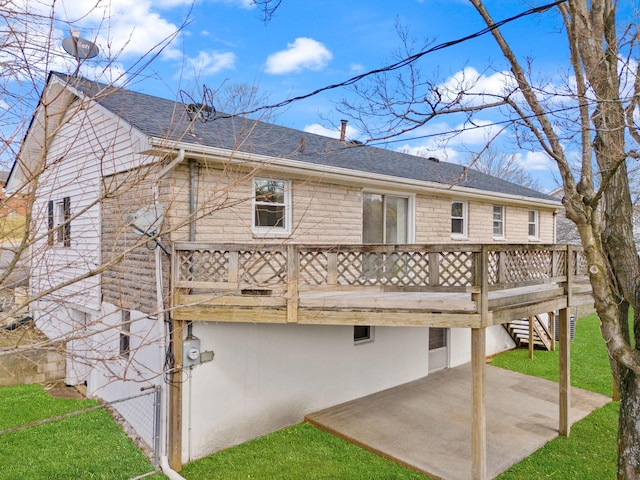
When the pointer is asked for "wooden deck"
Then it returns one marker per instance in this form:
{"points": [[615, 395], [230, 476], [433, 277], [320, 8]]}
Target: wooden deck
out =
{"points": [[389, 285], [459, 285]]}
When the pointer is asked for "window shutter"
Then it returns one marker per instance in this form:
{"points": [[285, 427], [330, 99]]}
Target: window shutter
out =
{"points": [[66, 235], [51, 223]]}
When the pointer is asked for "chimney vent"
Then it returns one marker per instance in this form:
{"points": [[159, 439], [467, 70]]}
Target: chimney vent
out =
{"points": [[343, 130]]}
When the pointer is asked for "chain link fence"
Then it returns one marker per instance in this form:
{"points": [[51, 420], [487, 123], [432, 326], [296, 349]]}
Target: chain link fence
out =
{"points": [[138, 416]]}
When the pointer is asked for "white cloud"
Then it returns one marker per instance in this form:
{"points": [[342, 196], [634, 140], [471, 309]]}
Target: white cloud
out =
{"points": [[134, 29], [472, 132], [246, 4], [303, 53], [207, 63], [477, 88], [171, 3], [318, 129], [431, 150], [536, 161], [120, 28]]}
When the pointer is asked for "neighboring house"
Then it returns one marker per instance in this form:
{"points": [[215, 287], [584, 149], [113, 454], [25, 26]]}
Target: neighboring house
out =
{"points": [[566, 230], [256, 226], [12, 205]]}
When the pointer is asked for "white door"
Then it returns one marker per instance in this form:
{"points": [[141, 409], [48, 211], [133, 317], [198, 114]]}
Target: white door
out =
{"points": [[438, 349]]}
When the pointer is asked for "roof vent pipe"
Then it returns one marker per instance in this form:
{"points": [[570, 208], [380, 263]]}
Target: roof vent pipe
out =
{"points": [[343, 130]]}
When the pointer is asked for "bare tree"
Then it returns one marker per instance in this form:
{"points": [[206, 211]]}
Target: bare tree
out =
{"points": [[593, 117], [61, 142], [502, 165]]}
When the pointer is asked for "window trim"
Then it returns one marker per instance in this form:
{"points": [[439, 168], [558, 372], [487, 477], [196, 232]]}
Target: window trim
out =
{"points": [[465, 220], [59, 222], [262, 232], [501, 235], [535, 224]]}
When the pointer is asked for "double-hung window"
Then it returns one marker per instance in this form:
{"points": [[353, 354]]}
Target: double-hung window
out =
{"points": [[534, 226], [498, 221], [59, 222], [271, 206], [458, 219]]}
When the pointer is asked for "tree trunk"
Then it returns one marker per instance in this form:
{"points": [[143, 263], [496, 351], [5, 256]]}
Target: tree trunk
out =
{"points": [[629, 425]]}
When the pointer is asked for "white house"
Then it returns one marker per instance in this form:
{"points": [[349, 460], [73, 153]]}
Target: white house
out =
{"points": [[164, 232]]}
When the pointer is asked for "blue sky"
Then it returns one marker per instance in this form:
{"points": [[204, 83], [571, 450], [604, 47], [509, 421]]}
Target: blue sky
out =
{"points": [[308, 45]]}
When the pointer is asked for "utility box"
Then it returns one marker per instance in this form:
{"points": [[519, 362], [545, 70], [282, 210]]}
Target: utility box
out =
{"points": [[191, 352]]}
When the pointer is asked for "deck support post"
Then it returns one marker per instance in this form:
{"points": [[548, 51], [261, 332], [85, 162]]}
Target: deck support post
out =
{"points": [[565, 373], [175, 398], [478, 417]]}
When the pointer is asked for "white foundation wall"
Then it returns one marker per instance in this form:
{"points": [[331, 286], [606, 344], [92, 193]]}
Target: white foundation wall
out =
{"points": [[497, 340], [265, 377], [114, 378]]}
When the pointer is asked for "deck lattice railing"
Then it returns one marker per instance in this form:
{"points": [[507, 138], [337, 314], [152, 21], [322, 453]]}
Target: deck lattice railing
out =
{"points": [[417, 267]]}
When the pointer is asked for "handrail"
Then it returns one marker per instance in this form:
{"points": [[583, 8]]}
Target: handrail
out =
{"points": [[409, 267]]}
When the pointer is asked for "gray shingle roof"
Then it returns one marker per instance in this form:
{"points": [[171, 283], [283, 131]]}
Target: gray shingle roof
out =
{"points": [[167, 119]]}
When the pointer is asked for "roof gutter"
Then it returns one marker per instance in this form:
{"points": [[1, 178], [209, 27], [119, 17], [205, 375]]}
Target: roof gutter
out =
{"points": [[343, 175], [179, 158]]}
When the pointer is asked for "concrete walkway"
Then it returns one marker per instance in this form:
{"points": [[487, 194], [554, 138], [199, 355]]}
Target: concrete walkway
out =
{"points": [[426, 424]]}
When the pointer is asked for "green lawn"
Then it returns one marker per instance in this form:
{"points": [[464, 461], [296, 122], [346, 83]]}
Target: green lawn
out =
{"points": [[86, 446], [589, 361], [298, 452], [91, 446], [590, 450]]}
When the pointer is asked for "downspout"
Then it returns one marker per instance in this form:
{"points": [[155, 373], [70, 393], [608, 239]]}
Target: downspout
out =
{"points": [[168, 472], [164, 464], [192, 202], [192, 238]]}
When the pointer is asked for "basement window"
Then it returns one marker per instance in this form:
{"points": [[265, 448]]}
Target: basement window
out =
{"points": [[125, 334], [362, 334]]}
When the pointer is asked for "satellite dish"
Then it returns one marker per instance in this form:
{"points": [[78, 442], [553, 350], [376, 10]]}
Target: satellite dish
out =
{"points": [[79, 47], [147, 220]]}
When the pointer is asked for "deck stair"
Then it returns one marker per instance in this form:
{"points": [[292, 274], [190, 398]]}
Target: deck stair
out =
{"points": [[519, 331]]}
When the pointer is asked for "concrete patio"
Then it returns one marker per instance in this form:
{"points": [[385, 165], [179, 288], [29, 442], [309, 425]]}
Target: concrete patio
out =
{"points": [[426, 424]]}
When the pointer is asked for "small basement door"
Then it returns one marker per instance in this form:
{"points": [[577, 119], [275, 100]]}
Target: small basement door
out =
{"points": [[438, 349]]}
